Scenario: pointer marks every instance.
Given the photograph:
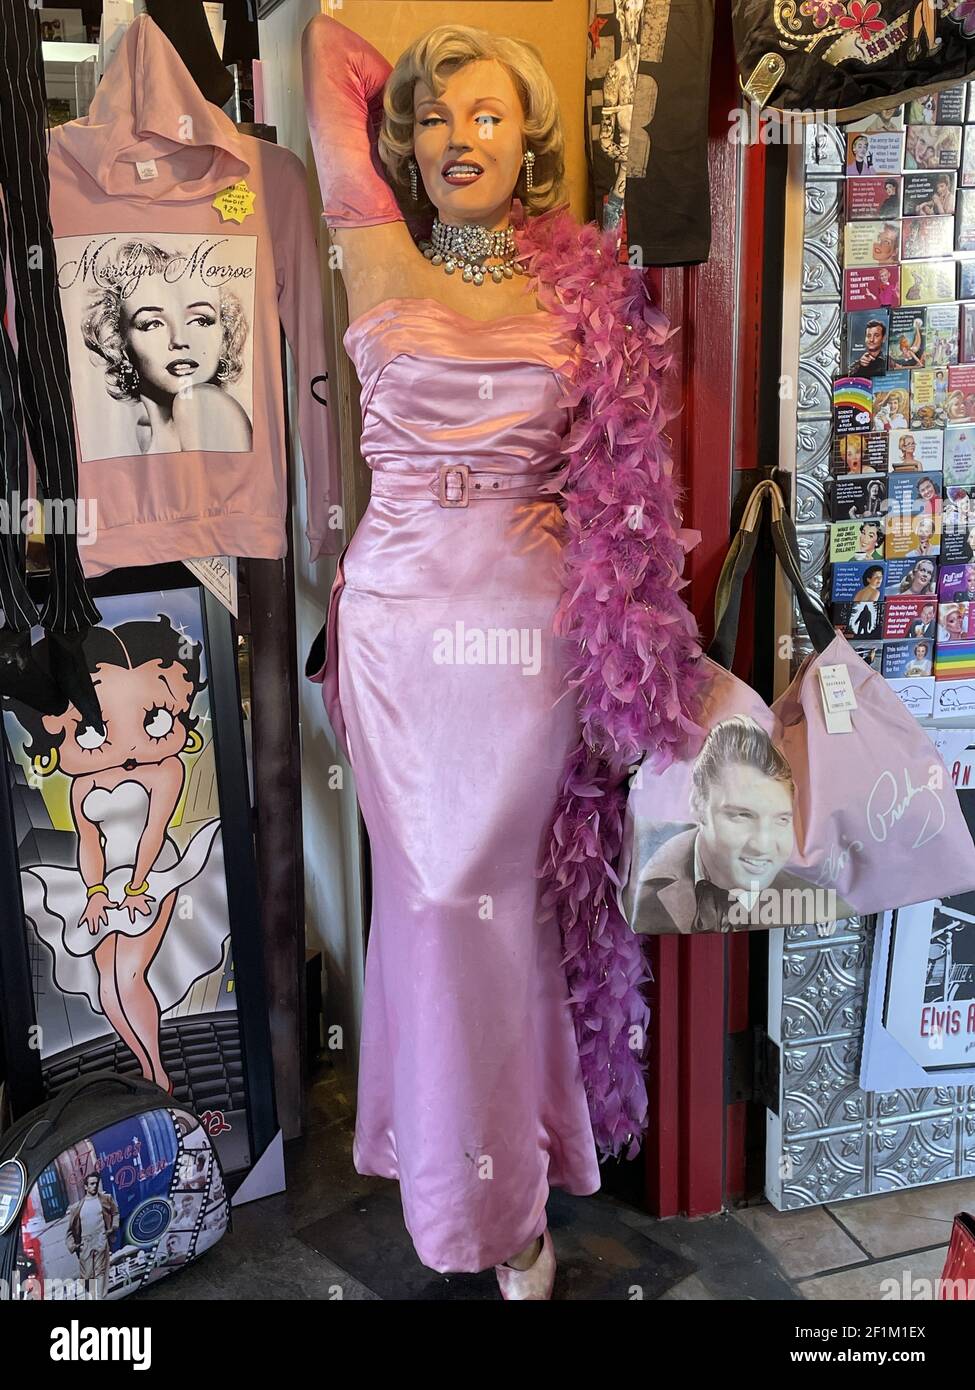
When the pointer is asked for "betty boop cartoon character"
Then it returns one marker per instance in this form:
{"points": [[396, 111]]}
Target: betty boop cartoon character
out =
{"points": [[138, 920]]}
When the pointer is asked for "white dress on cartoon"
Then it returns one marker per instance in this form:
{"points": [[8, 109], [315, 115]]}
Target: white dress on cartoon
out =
{"points": [[193, 943]]}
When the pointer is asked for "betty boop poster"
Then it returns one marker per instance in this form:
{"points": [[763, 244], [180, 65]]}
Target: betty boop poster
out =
{"points": [[160, 342], [121, 858]]}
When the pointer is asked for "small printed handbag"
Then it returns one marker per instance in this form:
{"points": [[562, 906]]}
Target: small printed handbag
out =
{"points": [[832, 803], [852, 58], [105, 1189]]}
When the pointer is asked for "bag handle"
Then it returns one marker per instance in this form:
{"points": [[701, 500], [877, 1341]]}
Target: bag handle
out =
{"points": [[727, 599], [71, 1093], [818, 623]]}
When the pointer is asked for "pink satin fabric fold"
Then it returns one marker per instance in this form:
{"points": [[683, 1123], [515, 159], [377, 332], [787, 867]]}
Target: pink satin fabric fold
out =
{"points": [[447, 683]]}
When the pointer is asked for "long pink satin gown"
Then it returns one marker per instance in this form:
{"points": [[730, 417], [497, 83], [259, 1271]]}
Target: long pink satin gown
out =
{"points": [[470, 1088]]}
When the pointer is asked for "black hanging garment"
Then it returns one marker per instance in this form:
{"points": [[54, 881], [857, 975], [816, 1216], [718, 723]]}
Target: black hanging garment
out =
{"points": [[35, 399], [184, 23], [647, 83], [851, 60]]}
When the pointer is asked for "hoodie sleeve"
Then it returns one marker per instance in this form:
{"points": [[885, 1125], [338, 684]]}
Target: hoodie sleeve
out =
{"points": [[300, 310], [344, 78]]}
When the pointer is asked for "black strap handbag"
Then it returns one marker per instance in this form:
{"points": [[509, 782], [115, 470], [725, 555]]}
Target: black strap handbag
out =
{"points": [[106, 1188], [850, 58]]}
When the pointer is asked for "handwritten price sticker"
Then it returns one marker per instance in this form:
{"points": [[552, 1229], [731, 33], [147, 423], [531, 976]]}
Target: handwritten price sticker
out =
{"points": [[235, 203], [837, 688], [838, 698]]}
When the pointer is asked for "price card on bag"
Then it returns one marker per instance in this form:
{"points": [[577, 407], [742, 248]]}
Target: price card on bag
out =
{"points": [[836, 688]]}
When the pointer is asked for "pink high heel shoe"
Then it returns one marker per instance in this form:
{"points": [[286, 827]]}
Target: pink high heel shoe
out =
{"points": [[535, 1282]]}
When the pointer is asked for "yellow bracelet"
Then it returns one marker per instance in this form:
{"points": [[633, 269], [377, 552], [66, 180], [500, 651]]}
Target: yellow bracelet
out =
{"points": [[134, 892], [97, 888]]}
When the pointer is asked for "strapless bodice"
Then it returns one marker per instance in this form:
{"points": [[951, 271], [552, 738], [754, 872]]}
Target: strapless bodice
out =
{"points": [[438, 387], [120, 814]]}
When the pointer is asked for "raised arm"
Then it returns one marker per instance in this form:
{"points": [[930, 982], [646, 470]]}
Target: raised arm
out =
{"points": [[344, 78]]}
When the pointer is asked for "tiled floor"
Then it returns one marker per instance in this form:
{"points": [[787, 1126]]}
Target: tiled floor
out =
{"points": [[883, 1247], [337, 1235]]}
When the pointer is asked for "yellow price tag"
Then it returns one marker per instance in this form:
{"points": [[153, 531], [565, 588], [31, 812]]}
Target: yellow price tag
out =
{"points": [[235, 203]]}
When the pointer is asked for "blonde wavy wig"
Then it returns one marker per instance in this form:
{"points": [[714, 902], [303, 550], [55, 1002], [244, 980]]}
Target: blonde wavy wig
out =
{"points": [[432, 59]]}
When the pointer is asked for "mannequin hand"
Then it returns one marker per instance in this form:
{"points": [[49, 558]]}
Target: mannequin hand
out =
{"points": [[95, 914]]}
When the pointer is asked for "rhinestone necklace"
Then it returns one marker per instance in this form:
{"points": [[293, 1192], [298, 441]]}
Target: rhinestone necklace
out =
{"points": [[466, 248]]}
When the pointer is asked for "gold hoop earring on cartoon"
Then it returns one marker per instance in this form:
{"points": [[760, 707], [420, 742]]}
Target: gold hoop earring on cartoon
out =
{"points": [[194, 741], [46, 765]]}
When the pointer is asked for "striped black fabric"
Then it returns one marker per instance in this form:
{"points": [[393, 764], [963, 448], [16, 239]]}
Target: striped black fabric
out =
{"points": [[35, 385]]}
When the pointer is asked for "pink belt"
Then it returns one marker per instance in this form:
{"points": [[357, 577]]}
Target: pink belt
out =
{"points": [[454, 484]]}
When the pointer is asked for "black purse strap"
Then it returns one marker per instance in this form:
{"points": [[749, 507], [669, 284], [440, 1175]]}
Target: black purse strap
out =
{"points": [[727, 598], [741, 553], [70, 1094]]}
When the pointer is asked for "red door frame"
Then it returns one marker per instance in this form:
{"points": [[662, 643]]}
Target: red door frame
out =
{"points": [[695, 1147]]}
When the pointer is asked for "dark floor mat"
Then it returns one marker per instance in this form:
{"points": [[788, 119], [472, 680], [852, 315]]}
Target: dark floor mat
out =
{"points": [[600, 1257]]}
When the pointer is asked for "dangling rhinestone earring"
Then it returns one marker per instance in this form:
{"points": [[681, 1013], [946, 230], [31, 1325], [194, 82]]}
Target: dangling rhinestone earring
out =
{"points": [[529, 167], [413, 173], [128, 378]]}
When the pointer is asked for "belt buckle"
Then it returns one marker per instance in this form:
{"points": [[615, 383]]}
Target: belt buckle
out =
{"points": [[463, 470]]}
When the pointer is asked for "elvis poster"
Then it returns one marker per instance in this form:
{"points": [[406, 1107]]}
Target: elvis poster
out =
{"points": [[920, 1022]]}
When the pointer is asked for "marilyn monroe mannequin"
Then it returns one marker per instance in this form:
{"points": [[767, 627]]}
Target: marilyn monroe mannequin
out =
{"points": [[441, 672]]}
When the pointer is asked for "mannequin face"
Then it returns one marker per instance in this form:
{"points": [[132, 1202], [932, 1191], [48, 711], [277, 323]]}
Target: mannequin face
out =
{"points": [[468, 143]]}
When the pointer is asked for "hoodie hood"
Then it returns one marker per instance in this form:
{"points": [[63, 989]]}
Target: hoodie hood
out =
{"points": [[147, 107]]}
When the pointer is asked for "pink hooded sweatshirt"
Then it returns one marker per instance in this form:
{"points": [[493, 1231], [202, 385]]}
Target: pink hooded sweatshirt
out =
{"points": [[173, 313]]}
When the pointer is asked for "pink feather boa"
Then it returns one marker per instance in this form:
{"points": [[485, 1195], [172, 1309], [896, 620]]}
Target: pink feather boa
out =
{"points": [[637, 675]]}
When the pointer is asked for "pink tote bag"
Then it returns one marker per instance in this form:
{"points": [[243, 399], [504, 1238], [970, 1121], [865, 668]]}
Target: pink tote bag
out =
{"points": [[774, 820]]}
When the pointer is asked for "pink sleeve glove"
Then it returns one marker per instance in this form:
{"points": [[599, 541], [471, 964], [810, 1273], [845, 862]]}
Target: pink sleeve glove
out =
{"points": [[344, 78], [300, 310]]}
